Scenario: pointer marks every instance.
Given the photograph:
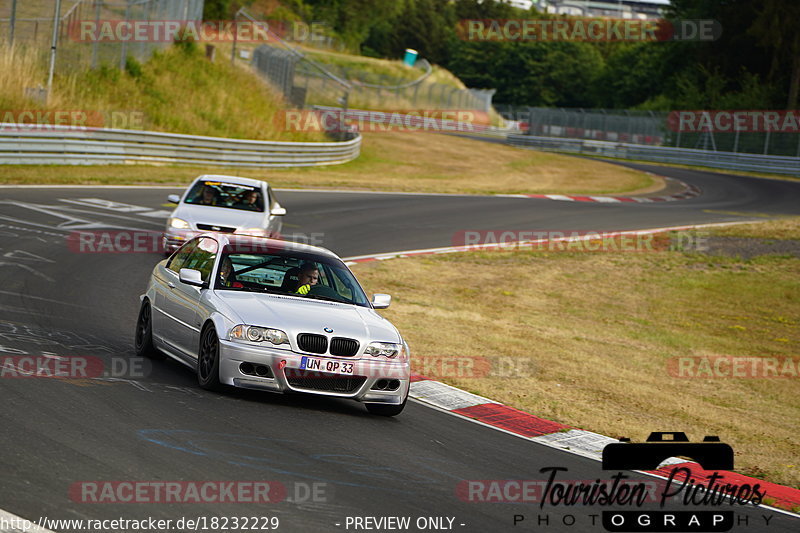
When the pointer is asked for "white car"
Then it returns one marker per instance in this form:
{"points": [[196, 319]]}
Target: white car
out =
{"points": [[225, 204], [273, 315]]}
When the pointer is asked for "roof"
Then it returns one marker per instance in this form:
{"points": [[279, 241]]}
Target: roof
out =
{"points": [[232, 179], [264, 244]]}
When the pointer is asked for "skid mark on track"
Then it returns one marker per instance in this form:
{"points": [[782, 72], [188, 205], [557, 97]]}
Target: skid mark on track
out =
{"points": [[42, 299], [147, 386], [280, 456], [29, 269], [14, 311], [27, 335]]}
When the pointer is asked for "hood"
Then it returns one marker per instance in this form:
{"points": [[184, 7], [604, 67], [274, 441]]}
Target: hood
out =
{"points": [[300, 315], [220, 216]]}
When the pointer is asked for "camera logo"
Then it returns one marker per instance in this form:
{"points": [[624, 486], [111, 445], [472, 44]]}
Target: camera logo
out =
{"points": [[711, 454]]}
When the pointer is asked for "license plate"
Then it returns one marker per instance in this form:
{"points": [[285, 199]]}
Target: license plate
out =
{"points": [[326, 365]]}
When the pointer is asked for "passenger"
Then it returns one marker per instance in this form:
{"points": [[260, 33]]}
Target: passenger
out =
{"points": [[227, 276], [308, 276]]}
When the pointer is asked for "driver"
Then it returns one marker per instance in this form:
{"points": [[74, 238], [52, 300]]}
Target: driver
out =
{"points": [[226, 274], [250, 200], [308, 276], [208, 196]]}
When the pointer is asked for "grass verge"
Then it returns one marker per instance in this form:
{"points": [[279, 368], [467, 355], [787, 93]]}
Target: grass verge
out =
{"points": [[225, 101], [589, 340], [409, 162], [371, 70], [781, 229]]}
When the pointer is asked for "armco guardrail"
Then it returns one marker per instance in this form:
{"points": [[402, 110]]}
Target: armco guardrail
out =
{"points": [[64, 145], [399, 121], [663, 154]]}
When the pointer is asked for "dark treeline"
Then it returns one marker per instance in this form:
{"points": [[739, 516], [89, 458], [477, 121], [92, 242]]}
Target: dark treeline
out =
{"points": [[754, 64]]}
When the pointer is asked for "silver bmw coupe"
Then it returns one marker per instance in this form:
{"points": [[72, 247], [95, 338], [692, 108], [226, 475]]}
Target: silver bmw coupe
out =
{"points": [[273, 315]]}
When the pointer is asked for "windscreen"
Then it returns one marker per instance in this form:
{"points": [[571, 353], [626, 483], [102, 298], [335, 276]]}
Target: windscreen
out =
{"points": [[228, 195], [289, 273]]}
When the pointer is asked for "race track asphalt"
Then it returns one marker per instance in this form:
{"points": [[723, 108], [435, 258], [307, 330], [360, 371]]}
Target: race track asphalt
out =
{"points": [[152, 423]]}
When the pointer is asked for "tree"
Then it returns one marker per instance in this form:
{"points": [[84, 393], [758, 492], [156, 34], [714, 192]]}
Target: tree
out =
{"points": [[632, 74], [725, 66], [216, 9], [775, 28], [425, 26], [352, 19]]}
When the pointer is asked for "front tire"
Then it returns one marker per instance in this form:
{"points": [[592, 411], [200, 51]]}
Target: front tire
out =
{"points": [[208, 360], [143, 339]]}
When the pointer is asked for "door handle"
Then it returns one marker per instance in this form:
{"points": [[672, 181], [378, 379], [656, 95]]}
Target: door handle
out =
{"points": [[170, 285]]}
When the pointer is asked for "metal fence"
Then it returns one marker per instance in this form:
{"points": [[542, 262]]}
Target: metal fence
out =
{"points": [[645, 127], [662, 154], [640, 127], [29, 24], [305, 81], [405, 122], [279, 66], [64, 145], [322, 90], [764, 143]]}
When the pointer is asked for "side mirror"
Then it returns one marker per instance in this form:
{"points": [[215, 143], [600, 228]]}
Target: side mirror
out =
{"points": [[278, 211], [191, 277], [174, 198], [381, 301]]}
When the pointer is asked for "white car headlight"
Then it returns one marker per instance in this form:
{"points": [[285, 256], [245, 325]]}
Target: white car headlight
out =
{"points": [[385, 349], [245, 333], [177, 223]]}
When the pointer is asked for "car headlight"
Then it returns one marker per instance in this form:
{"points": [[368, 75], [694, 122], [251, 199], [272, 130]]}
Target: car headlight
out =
{"points": [[244, 333], [385, 349], [177, 223]]}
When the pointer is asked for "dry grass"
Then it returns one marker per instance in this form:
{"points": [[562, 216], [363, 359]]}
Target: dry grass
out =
{"points": [[413, 162], [588, 338], [28, 71], [369, 67], [225, 101], [782, 229], [433, 93], [32, 8], [27, 30], [426, 162]]}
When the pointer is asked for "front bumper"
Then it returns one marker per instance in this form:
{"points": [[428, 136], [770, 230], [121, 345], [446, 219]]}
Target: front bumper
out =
{"points": [[284, 369]]}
